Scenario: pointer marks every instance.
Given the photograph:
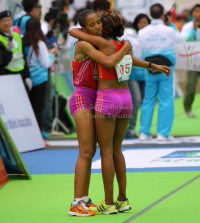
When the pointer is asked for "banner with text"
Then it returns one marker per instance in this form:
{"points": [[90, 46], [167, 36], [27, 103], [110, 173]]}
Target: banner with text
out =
{"points": [[188, 56], [17, 114]]}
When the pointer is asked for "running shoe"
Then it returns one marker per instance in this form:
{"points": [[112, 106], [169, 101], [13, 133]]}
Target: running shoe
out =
{"points": [[80, 210], [144, 137], [103, 208], [162, 138], [123, 205], [90, 203]]}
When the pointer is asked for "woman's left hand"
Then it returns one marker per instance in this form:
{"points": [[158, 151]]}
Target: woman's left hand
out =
{"points": [[162, 68]]}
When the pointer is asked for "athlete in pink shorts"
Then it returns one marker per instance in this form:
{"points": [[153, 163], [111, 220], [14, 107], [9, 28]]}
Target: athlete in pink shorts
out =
{"points": [[112, 111], [82, 105]]}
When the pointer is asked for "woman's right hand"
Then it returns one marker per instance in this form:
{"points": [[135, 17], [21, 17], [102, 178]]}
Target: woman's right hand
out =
{"points": [[127, 44], [54, 50]]}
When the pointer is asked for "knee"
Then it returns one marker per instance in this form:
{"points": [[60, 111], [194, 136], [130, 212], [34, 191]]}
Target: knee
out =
{"points": [[87, 153], [106, 153], [116, 153]]}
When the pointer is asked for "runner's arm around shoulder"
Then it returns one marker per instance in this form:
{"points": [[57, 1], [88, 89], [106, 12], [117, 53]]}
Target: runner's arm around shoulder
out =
{"points": [[101, 58], [97, 41]]}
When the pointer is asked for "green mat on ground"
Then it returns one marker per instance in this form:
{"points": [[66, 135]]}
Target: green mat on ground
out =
{"points": [[182, 126], [181, 207], [47, 198]]}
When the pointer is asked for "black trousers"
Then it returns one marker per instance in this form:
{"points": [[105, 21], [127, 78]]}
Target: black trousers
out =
{"points": [[47, 114], [190, 87], [37, 98]]}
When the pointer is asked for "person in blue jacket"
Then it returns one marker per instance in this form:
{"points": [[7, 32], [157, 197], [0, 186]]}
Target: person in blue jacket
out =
{"points": [[32, 9], [157, 41]]}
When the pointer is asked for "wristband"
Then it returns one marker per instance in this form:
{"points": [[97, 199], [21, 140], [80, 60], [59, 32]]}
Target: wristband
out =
{"points": [[149, 67]]}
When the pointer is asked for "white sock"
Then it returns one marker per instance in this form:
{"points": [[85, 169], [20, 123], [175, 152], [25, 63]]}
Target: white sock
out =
{"points": [[76, 200], [85, 198]]}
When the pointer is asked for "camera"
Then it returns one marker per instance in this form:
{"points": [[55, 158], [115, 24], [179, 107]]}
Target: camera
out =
{"points": [[60, 17], [166, 16]]}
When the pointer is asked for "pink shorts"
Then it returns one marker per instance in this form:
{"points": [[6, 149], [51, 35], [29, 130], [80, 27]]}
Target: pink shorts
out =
{"points": [[83, 98], [114, 102]]}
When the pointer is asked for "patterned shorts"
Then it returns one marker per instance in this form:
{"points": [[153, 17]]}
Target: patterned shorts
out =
{"points": [[114, 102], [83, 98]]}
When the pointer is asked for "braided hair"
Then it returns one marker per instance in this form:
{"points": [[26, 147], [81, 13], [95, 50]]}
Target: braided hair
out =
{"points": [[83, 16], [112, 25]]}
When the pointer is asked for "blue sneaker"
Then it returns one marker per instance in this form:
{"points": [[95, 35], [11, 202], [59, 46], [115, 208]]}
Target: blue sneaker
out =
{"points": [[45, 134]]}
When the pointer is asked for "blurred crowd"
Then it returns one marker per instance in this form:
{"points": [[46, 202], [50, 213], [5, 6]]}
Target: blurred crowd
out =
{"points": [[29, 46]]}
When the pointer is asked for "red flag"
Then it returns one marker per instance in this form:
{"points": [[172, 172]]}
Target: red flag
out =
{"points": [[3, 174]]}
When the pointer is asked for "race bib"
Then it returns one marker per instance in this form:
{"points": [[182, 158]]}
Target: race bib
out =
{"points": [[123, 68]]}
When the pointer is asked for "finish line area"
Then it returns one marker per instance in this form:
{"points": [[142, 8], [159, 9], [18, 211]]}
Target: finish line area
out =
{"points": [[162, 186]]}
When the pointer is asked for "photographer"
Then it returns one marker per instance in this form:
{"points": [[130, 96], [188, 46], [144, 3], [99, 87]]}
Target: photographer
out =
{"points": [[61, 23], [193, 34], [12, 58], [48, 23]]}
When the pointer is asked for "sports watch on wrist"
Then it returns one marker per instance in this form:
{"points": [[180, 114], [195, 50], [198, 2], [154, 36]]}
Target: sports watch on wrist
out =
{"points": [[149, 67]]}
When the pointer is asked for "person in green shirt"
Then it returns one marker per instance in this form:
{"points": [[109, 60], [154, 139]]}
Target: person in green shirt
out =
{"points": [[14, 60]]}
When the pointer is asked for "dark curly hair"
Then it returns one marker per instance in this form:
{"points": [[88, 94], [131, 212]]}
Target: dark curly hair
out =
{"points": [[112, 25]]}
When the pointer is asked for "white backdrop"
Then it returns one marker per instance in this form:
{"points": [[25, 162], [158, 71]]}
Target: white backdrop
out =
{"points": [[17, 114], [3, 5], [188, 56]]}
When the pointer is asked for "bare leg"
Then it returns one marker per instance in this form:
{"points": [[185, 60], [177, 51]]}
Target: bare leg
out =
{"points": [[87, 182], [119, 161], [105, 130], [85, 132]]}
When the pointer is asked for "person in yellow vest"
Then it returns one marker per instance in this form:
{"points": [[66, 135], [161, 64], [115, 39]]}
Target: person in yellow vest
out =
{"points": [[14, 61]]}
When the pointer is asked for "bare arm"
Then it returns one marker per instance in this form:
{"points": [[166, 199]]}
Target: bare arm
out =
{"points": [[141, 63], [97, 41], [99, 57]]}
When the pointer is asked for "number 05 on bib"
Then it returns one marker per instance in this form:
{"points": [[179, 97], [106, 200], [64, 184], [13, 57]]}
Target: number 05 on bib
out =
{"points": [[123, 68]]}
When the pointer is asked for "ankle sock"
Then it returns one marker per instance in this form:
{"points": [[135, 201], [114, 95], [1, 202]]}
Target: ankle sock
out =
{"points": [[76, 200], [85, 198]]}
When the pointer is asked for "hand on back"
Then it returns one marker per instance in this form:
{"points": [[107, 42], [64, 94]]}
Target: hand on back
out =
{"points": [[162, 68], [127, 44]]}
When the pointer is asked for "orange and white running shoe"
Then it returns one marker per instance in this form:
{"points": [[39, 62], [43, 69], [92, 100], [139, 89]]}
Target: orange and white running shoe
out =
{"points": [[90, 203], [80, 210]]}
